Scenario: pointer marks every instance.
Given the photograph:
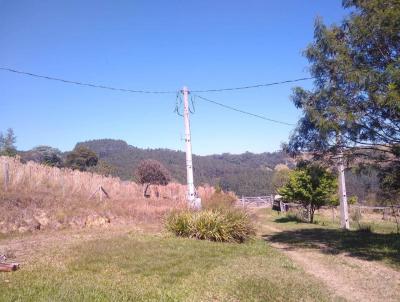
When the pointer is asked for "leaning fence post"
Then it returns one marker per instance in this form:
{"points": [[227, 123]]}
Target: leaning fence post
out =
{"points": [[6, 175]]}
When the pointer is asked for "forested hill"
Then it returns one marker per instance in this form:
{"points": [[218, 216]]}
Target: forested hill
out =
{"points": [[247, 173]]}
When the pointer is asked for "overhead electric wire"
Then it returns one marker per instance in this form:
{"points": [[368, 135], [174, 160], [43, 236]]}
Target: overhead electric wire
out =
{"points": [[150, 91], [82, 83], [172, 91], [244, 112], [253, 86]]}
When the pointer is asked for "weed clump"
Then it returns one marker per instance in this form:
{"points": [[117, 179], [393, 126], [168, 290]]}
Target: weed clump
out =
{"points": [[231, 225], [365, 228]]}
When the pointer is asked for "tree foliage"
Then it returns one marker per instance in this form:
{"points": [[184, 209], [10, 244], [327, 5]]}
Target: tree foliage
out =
{"points": [[310, 185], [81, 158], [104, 168], [45, 155], [152, 172], [7, 143], [355, 103], [357, 86]]}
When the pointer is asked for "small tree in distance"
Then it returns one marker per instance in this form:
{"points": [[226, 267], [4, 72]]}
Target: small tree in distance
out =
{"points": [[310, 185], [7, 143], [81, 158], [45, 155], [151, 172]]}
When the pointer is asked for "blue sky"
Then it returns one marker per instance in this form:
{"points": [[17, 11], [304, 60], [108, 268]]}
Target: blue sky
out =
{"points": [[155, 45]]}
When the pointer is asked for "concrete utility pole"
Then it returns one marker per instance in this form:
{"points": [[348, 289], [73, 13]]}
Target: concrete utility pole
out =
{"points": [[193, 200], [344, 208]]}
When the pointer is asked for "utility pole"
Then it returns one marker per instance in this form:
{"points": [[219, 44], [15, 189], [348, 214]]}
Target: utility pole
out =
{"points": [[344, 208], [193, 200]]}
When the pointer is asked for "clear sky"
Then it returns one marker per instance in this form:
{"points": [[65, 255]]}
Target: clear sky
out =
{"points": [[155, 45]]}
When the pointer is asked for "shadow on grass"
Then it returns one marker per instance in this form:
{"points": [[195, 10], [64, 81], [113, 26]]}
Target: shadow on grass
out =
{"points": [[364, 245], [288, 218]]}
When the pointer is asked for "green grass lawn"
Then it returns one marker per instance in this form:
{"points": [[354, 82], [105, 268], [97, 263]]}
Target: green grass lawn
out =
{"points": [[380, 244], [138, 267]]}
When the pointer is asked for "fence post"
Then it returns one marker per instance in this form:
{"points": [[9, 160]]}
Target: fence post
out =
{"points": [[6, 175]]}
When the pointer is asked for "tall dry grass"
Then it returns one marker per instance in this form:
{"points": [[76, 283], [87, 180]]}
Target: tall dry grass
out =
{"points": [[38, 196]]}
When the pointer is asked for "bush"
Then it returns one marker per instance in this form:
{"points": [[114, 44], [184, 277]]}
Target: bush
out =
{"points": [[180, 223], [215, 225]]}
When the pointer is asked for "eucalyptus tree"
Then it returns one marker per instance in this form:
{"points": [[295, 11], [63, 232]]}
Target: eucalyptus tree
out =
{"points": [[355, 103]]}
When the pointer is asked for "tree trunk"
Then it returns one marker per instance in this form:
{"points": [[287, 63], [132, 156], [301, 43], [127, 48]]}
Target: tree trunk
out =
{"points": [[312, 210], [146, 187]]}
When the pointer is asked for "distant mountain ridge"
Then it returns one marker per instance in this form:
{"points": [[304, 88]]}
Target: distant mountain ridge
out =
{"points": [[247, 173]]}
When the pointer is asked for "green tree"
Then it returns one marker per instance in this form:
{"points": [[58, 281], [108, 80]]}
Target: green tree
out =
{"points": [[310, 185], [103, 168], [151, 172], [7, 143], [45, 155], [81, 158], [355, 103]]}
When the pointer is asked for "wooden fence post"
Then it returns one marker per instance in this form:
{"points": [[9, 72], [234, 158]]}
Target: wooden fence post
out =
{"points": [[6, 175]]}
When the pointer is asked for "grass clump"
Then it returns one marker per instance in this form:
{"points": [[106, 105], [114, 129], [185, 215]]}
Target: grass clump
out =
{"points": [[231, 225], [365, 228]]}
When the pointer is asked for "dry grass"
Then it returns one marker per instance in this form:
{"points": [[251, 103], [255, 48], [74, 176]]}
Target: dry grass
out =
{"points": [[38, 196], [219, 200], [129, 266]]}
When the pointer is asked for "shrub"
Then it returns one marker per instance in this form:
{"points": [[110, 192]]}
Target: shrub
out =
{"points": [[179, 223], [231, 225]]}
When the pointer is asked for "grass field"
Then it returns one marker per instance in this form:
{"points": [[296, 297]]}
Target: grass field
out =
{"points": [[140, 267], [382, 243], [287, 261]]}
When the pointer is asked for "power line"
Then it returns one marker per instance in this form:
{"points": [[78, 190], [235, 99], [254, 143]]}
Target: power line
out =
{"points": [[84, 84], [244, 112], [254, 86], [150, 91]]}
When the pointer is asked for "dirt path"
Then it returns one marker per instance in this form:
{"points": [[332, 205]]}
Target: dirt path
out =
{"points": [[347, 277]]}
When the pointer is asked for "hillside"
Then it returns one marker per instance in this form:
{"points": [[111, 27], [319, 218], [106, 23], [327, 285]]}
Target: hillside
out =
{"points": [[245, 174]]}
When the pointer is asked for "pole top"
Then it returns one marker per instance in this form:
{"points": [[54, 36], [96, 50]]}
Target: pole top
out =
{"points": [[185, 90]]}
